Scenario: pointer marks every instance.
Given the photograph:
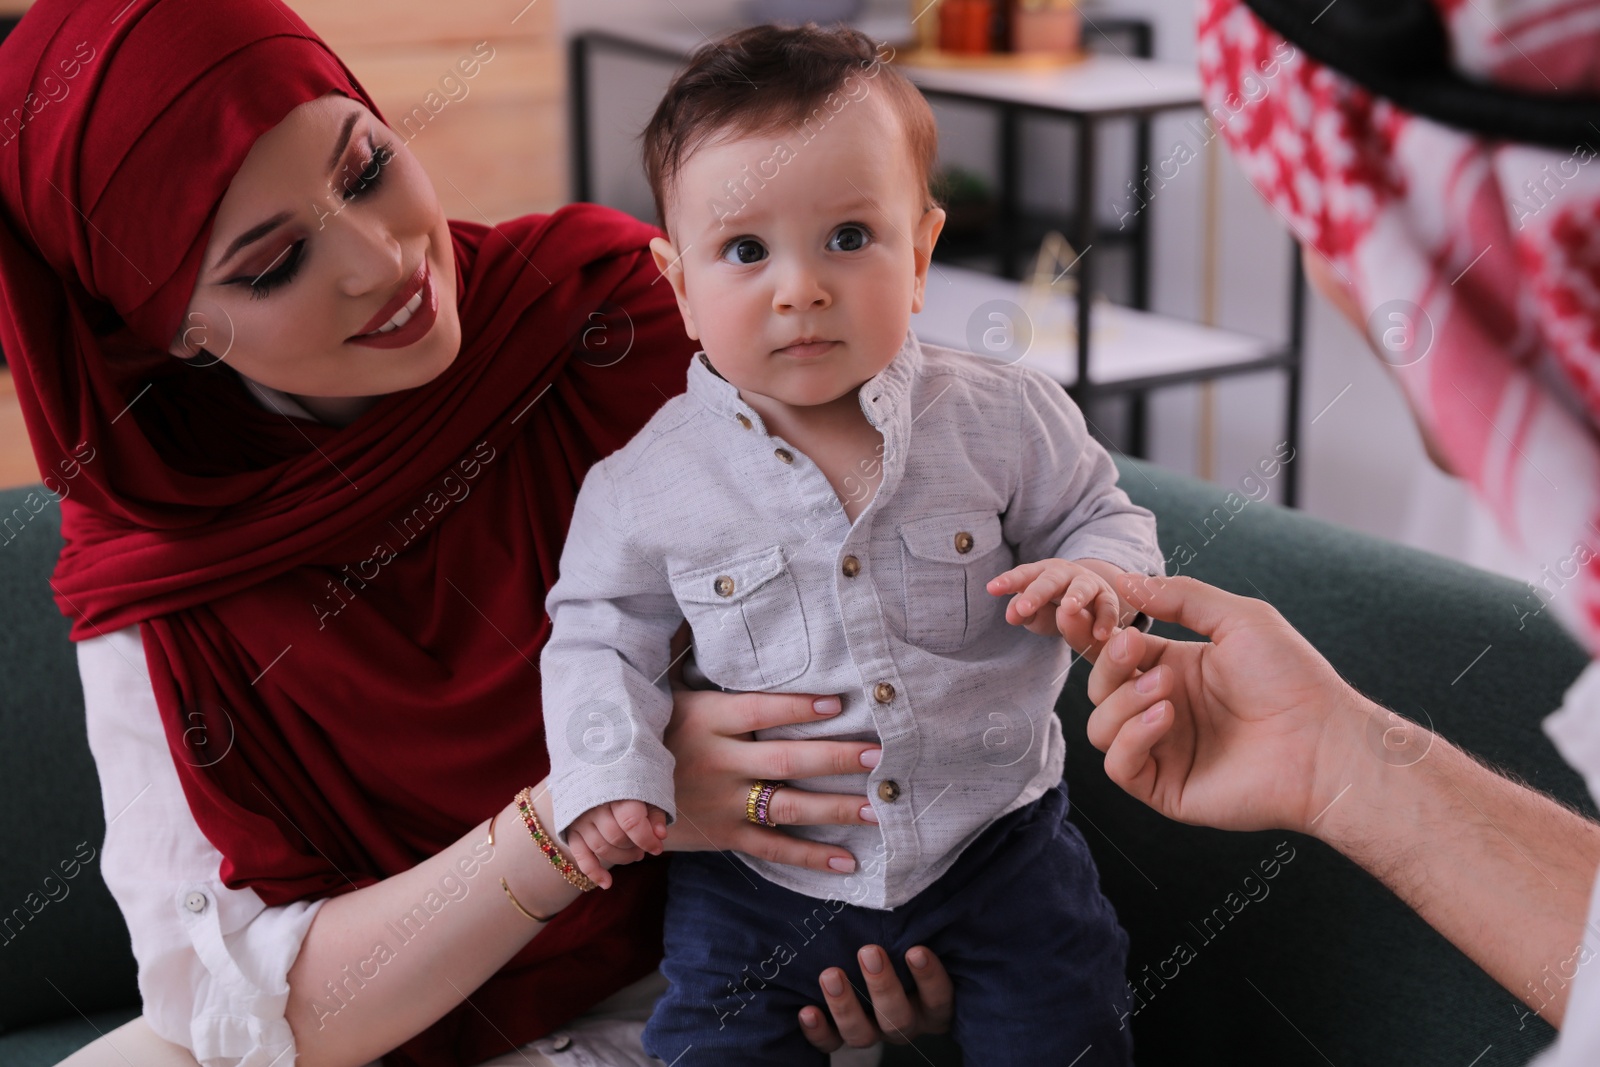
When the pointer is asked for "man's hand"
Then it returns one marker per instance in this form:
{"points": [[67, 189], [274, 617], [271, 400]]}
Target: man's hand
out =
{"points": [[619, 832], [1249, 730], [1058, 597]]}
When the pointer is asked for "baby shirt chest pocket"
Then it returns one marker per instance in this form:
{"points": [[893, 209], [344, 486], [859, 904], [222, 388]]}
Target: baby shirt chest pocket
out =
{"points": [[946, 564], [749, 629]]}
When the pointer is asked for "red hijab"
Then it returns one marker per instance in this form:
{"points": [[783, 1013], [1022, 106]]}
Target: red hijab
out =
{"points": [[341, 625]]}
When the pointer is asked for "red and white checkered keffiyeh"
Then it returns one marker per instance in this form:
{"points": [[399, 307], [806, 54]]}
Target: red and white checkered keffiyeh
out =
{"points": [[1477, 261]]}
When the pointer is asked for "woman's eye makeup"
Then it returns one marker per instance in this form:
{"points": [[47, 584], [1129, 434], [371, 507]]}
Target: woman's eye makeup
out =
{"points": [[366, 180], [370, 175], [850, 237], [280, 272]]}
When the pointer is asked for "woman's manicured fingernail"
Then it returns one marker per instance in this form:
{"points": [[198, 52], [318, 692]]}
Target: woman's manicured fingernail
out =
{"points": [[1148, 681], [867, 814], [1119, 646], [832, 983], [918, 958], [871, 757], [825, 705], [1154, 712], [872, 960], [808, 1020], [842, 864]]}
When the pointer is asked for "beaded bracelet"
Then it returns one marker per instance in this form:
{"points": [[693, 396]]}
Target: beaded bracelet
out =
{"points": [[547, 846], [515, 903]]}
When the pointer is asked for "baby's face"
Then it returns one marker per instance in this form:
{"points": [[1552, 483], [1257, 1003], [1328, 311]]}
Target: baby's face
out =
{"points": [[777, 240]]}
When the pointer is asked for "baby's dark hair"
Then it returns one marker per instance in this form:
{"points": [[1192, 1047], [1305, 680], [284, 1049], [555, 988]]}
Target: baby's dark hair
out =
{"points": [[768, 79]]}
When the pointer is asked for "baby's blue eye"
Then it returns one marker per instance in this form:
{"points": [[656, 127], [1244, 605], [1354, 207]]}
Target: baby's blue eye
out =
{"points": [[746, 250], [851, 238]]}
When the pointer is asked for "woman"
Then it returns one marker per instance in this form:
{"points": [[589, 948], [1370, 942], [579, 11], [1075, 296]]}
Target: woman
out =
{"points": [[1417, 227], [324, 447]]}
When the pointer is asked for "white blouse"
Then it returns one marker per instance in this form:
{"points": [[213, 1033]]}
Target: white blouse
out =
{"points": [[213, 962]]}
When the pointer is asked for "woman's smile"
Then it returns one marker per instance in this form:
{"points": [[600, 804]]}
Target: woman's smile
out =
{"points": [[407, 317]]}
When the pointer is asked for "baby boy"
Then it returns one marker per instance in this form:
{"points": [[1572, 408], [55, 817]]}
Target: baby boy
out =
{"points": [[837, 508]]}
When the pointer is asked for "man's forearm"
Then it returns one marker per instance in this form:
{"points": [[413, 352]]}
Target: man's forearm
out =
{"points": [[382, 963], [1505, 873]]}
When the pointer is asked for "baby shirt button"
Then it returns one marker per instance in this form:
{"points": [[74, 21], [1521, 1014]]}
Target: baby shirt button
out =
{"points": [[744, 420], [851, 567], [889, 790], [883, 692], [963, 542], [784, 454], [560, 1042], [723, 585], [195, 902]]}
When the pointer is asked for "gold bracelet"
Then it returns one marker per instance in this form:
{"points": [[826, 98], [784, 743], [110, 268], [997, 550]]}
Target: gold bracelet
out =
{"points": [[515, 903]]}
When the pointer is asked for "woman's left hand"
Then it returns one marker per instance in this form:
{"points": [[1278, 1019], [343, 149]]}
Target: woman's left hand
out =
{"points": [[896, 1017], [716, 758]]}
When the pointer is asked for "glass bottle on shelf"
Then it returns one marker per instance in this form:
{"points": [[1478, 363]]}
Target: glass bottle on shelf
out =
{"points": [[925, 23], [1045, 26], [966, 26]]}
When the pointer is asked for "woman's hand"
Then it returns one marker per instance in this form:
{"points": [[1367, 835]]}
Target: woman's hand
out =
{"points": [[897, 1017], [717, 759], [1250, 730]]}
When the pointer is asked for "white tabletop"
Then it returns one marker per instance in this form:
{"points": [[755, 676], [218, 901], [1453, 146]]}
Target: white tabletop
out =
{"points": [[1100, 84], [1126, 345]]}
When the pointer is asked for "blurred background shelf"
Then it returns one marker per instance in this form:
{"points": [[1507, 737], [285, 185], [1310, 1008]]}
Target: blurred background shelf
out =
{"points": [[1129, 352]]}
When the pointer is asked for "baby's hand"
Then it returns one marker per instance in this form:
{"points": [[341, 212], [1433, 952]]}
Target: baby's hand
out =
{"points": [[619, 832], [1086, 607]]}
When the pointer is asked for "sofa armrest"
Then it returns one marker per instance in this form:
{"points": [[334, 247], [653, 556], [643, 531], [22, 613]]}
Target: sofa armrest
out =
{"points": [[64, 949]]}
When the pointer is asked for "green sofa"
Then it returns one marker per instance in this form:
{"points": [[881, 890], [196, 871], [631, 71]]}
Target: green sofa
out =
{"points": [[1313, 964]]}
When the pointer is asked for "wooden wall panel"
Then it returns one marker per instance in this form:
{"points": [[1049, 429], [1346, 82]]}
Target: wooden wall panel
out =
{"points": [[403, 22], [16, 454], [483, 173], [494, 143]]}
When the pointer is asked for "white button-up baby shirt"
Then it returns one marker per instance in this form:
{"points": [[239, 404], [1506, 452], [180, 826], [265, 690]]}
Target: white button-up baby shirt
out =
{"points": [[705, 516]]}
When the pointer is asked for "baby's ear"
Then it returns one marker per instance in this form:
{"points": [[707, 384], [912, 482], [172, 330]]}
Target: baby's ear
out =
{"points": [[670, 264], [926, 236]]}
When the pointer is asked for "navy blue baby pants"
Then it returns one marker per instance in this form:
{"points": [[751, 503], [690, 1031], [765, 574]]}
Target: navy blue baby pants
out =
{"points": [[1033, 948]]}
